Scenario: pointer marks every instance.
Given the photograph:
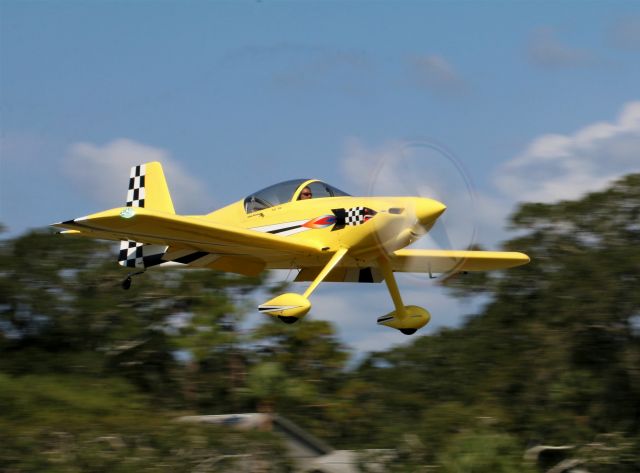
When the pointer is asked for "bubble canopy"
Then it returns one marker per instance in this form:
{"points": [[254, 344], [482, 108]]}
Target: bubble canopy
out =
{"points": [[288, 191]]}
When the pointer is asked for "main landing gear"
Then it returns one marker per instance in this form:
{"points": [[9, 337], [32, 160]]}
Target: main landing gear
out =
{"points": [[290, 307], [408, 319]]}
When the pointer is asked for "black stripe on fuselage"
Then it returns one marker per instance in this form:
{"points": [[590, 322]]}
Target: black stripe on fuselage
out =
{"points": [[153, 260], [280, 230], [190, 258]]}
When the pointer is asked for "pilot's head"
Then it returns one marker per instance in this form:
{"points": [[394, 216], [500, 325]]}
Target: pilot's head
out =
{"points": [[305, 194]]}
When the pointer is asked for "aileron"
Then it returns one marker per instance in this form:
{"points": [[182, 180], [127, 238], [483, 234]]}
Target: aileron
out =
{"points": [[444, 261]]}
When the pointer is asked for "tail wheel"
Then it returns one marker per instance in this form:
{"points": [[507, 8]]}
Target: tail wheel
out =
{"points": [[408, 331], [126, 284], [288, 319]]}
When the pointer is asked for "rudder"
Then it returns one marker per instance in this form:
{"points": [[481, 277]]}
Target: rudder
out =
{"points": [[147, 188]]}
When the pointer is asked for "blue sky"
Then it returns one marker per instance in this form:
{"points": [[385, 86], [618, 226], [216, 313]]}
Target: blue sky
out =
{"points": [[536, 101]]}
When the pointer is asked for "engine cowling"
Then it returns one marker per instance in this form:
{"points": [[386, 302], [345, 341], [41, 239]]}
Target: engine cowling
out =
{"points": [[414, 319]]}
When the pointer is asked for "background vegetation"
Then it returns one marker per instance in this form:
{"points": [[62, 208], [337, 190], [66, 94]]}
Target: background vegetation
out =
{"points": [[92, 377]]}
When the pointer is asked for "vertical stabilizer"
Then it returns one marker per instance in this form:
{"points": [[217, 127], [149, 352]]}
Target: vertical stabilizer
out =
{"points": [[147, 188]]}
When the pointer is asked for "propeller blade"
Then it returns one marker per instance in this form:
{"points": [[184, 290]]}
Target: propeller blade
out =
{"points": [[426, 170]]}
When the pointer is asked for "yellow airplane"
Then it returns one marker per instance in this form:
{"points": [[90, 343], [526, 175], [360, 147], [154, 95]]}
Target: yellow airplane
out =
{"points": [[301, 224]]}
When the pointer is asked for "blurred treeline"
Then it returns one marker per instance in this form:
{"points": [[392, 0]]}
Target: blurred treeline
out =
{"points": [[92, 377]]}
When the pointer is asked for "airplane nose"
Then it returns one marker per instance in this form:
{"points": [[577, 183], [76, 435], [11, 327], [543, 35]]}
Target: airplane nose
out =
{"points": [[428, 210]]}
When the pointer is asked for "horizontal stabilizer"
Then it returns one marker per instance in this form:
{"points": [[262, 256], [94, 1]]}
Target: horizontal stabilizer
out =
{"points": [[161, 228]]}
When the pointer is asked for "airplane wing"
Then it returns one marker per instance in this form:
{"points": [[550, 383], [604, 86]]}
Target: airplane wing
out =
{"points": [[444, 261], [162, 228]]}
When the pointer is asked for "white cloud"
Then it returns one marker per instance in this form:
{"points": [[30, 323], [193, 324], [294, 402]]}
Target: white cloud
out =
{"points": [[101, 172], [546, 50], [552, 167], [555, 167]]}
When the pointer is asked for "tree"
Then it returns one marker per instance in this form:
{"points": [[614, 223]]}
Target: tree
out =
{"points": [[553, 356], [89, 377], [297, 370]]}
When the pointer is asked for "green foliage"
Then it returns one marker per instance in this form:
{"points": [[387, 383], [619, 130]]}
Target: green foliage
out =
{"points": [[68, 423], [611, 452], [310, 347], [553, 357], [91, 377], [483, 451]]}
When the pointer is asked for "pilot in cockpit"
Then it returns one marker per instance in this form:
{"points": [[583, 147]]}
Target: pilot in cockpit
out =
{"points": [[305, 194]]}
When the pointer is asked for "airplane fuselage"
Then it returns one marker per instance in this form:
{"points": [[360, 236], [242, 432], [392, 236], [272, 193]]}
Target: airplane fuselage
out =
{"points": [[362, 224]]}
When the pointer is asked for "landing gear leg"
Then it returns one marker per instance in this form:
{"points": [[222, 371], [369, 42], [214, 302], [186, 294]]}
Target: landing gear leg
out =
{"points": [[407, 319], [390, 280], [126, 284], [291, 307], [335, 259]]}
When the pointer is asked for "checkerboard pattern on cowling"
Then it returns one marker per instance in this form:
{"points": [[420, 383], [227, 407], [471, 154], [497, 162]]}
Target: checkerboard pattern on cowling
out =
{"points": [[136, 193]]}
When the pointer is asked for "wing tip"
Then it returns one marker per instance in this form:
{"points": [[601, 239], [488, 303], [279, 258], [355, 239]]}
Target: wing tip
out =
{"points": [[523, 258]]}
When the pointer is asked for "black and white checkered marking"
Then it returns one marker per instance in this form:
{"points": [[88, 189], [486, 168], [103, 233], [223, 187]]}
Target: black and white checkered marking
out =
{"points": [[141, 255], [133, 254], [138, 255], [136, 193], [354, 216]]}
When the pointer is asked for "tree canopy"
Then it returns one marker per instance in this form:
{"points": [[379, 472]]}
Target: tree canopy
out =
{"points": [[92, 377]]}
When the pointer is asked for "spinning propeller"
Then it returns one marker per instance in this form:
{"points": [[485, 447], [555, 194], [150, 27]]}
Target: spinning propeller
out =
{"points": [[426, 170]]}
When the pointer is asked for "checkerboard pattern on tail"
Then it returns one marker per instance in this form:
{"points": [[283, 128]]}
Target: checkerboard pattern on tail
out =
{"points": [[138, 255], [136, 193], [133, 254]]}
